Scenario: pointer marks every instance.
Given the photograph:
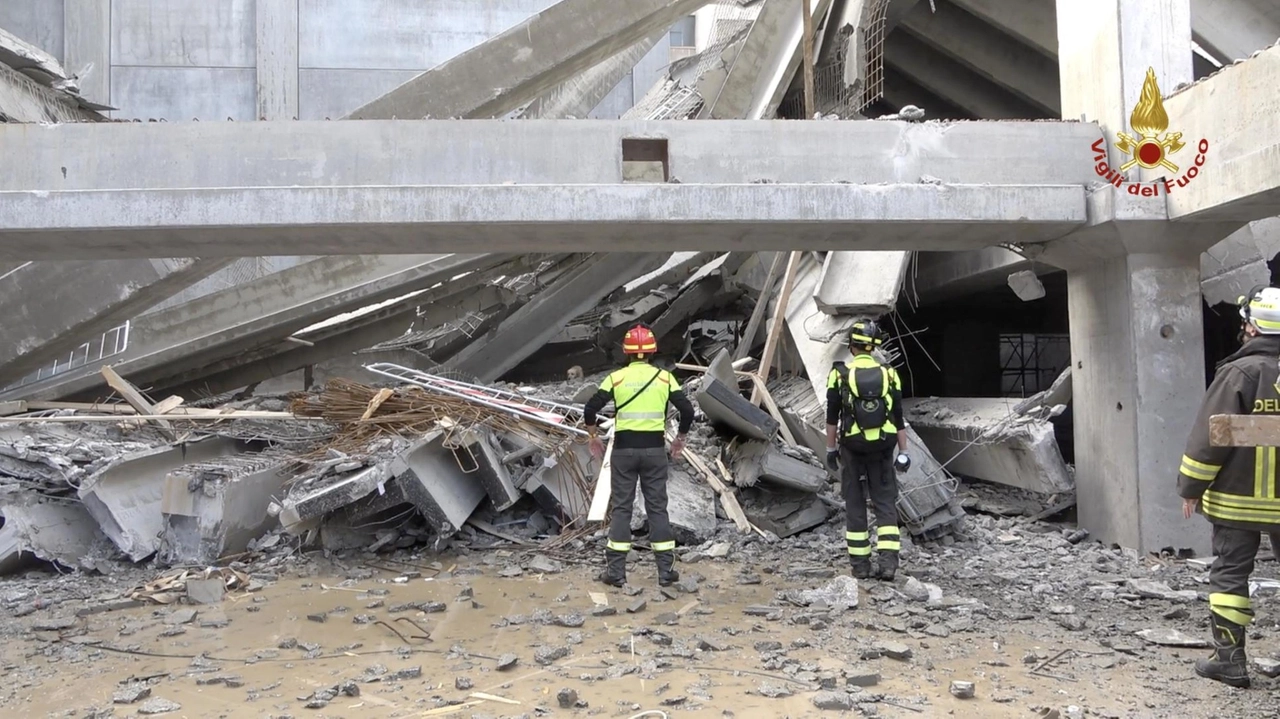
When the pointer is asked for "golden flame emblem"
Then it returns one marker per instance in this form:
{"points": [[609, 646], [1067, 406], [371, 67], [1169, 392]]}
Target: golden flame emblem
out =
{"points": [[1149, 120]]}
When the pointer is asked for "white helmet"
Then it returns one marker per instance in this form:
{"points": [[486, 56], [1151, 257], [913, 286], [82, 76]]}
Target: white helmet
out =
{"points": [[1261, 308]]}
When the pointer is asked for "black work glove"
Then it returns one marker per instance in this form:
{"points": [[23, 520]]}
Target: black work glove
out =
{"points": [[833, 459], [902, 462]]}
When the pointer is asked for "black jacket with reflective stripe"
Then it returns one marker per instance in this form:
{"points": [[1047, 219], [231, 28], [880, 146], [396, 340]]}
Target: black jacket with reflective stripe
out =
{"points": [[1236, 486]]}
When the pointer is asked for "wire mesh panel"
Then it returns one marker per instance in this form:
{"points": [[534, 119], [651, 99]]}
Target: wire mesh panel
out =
{"points": [[838, 87]]}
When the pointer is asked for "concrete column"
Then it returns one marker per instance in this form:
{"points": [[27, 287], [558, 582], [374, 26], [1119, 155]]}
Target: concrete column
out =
{"points": [[1137, 351], [1137, 342], [277, 52], [87, 46]]}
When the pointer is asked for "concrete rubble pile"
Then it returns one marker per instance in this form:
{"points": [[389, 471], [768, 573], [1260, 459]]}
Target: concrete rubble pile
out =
{"points": [[426, 447]]}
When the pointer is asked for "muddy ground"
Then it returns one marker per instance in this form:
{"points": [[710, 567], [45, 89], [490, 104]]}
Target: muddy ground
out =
{"points": [[1036, 623]]}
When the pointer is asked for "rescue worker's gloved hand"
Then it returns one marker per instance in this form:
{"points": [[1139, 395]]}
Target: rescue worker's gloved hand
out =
{"points": [[902, 462], [597, 447], [677, 446], [833, 459]]}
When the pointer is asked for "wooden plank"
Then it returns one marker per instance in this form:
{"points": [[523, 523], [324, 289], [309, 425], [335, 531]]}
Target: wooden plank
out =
{"points": [[1244, 430], [771, 406], [136, 400], [383, 395], [599, 510], [757, 312], [168, 404], [779, 318], [211, 416], [101, 407], [727, 498], [12, 407]]}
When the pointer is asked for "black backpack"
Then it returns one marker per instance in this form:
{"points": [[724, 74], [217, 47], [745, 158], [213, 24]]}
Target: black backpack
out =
{"points": [[863, 401]]}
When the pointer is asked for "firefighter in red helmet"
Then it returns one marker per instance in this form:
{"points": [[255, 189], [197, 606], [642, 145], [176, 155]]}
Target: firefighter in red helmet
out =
{"points": [[640, 393]]}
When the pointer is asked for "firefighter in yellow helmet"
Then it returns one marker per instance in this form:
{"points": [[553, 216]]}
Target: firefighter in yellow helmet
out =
{"points": [[1235, 487], [640, 393], [864, 413]]}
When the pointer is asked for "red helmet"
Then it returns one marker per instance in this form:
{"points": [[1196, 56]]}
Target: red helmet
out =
{"points": [[639, 340]]}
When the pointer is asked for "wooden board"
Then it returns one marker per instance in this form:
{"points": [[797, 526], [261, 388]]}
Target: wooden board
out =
{"points": [[599, 511], [1244, 430], [136, 400]]}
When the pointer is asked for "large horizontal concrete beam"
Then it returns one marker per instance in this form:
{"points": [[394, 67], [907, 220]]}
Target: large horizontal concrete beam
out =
{"points": [[553, 218], [531, 152], [1237, 112], [1235, 29], [531, 58]]}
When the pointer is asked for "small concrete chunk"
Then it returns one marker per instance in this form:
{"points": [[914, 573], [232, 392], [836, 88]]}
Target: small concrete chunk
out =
{"points": [[566, 698], [544, 565], [861, 678], [962, 690], [320, 617], [838, 701], [506, 661], [158, 705], [131, 694], [206, 591], [637, 606], [462, 684], [181, 616], [1269, 667], [549, 655], [895, 650]]}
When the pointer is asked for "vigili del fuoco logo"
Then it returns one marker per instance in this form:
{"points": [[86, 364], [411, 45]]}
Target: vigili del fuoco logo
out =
{"points": [[1154, 147]]}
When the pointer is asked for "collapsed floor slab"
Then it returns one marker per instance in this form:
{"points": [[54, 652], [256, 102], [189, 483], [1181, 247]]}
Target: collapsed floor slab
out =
{"points": [[52, 529], [861, 283], [213, 509], [125, 497], [982, 438]]}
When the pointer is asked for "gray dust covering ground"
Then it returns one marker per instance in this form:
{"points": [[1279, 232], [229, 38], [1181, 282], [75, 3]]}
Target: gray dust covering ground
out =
{"points": [[1011, 619]]}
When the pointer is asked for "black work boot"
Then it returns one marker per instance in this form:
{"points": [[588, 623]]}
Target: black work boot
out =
{"points": [[1228, 663], [888, 566], [861, 567], [667, 575], [615, 568]]}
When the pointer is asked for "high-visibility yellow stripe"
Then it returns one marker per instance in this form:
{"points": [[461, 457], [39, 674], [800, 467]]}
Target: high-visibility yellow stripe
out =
{"points": [[1234, 616], [857, 535], [860, 551], [1234, 601], [1259, 516], [1196, 464], [1259, 459], [1265, 324], [619, 546], [1235, 501], [1269, 481], [888, 545], [1198, 470], [663, 546], [887, 529]]}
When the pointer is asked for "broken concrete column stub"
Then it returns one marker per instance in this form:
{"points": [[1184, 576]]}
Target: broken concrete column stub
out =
{"points": [[430, 477], [756, 461]]}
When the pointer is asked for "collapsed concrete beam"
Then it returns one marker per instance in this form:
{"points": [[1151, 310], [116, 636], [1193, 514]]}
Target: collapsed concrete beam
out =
{"points": [[79, 301], [322, 498], [982, 438], [752, 462], [489, 469], [33, 86], [555, 487], [579, 95], [491, 356], [507, 71], [691, 507], [818, 337], [861, 283], [52, 529], [431, 478], [125, 496], [1238, 263], [216, 508], [231, 322], [764, 67], [724, 405]]}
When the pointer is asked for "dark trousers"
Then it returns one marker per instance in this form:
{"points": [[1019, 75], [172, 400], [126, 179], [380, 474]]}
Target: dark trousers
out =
{"points": [[649, 468], [1229, 576], [882, 485]]}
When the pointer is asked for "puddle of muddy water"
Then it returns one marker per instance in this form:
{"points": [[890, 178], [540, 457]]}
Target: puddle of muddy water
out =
{"points": [[264, 644]]}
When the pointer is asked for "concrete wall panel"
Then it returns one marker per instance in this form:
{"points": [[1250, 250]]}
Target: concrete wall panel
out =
{"points": [[619, 100], [401, 34], [39, 22], [184, 33], [181, 94], [336, 93]]}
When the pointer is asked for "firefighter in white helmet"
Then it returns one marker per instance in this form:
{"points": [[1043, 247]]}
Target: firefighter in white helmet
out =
{"points": [[1235, 487]]}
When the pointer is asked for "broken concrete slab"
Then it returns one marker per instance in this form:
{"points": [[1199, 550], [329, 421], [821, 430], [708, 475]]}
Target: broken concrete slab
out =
{"points": [[125, 496], [783, 513], [331, 496], [580, 94], [551, 47], [861, 283], [430, 476], [752, 462], [53, 529], [690, 506], [554, 487], [490, 470], [216, 508], [983, 438], [724, 405]]}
